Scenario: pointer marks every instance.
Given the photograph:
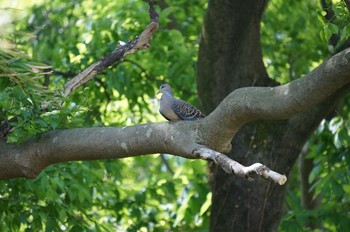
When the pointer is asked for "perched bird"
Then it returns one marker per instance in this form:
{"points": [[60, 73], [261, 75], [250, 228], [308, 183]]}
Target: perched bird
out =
{"points": [[176, 109]]}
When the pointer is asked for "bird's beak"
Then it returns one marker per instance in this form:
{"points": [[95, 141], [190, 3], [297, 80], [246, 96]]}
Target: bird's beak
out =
{"points": [[158, 92]]}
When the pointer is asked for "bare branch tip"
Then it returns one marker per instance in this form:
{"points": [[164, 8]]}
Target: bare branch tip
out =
{"points": [[233, 167], [282, 180]]}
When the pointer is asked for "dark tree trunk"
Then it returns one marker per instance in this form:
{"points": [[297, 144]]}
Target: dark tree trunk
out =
{"points": [[230, 54], [230, 57]]}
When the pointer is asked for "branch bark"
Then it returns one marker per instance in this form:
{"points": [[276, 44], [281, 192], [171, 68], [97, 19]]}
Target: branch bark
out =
{"points": [[274, 103], [232, 167], [141, 42], [28, 159], [206, 138]]}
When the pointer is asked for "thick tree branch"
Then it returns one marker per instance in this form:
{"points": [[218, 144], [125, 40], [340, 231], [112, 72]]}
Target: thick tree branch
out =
{"points": [[28, 159], [274, 103], [206, 138], [141, 42]]}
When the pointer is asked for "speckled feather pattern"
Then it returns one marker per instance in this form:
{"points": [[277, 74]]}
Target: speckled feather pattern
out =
{"points": [[186, 111], [176, 109]]}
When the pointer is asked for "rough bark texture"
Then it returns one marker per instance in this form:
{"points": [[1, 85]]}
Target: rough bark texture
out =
{"points": [[230, 57], [230, 50], [206, 138]]}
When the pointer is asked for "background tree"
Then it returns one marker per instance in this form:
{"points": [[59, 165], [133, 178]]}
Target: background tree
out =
{"points": [[230, 57], [157, 193]]}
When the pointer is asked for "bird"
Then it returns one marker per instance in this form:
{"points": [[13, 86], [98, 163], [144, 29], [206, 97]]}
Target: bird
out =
{"points": [[174, 109]]}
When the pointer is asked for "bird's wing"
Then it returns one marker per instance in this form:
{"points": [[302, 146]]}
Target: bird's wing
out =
{"points": [[186, 111]]}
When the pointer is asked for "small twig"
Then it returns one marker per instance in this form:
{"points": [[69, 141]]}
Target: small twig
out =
{"points": [[68, 74], [166, 163], [232, 167], [104, 86], [6, 128]]}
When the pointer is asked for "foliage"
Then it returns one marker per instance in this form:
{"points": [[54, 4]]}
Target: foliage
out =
{"points": [[108, 195], [23, 94], [289, 53], [337, 25], [329, 150], [286, 47]]}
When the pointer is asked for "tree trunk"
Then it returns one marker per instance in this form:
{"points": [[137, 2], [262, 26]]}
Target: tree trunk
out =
{"points": [[230, 57]]}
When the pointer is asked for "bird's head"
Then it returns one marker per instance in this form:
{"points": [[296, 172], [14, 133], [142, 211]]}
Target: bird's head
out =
{"points": [[165, 89]]}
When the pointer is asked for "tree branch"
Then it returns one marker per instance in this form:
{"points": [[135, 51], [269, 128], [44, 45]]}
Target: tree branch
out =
{"points": [[206, 138], [28, 159], [232, 167], [166, 163], [274, 103], [141, 42]]}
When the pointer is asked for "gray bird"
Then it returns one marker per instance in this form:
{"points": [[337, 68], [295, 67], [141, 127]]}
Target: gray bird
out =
{"points": [[176, 109]]}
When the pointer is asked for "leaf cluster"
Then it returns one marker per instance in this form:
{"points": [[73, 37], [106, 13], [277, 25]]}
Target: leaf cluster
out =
{"points": [[329, 150], [108, 195], [23, 94]]}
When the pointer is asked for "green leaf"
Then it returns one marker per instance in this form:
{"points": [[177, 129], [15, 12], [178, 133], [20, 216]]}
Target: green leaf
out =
{"points": [[180, 213], [335, 124], [314, 173], [333, 28], [62, 215], [320, 17], [346, 188], [206, 204], [54, 124]]}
